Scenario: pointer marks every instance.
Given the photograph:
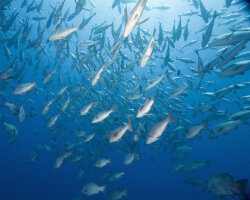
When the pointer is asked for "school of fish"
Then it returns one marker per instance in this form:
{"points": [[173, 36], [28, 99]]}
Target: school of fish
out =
{"points": [[127, 84]]}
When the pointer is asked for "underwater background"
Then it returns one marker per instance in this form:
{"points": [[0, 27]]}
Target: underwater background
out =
{"points": [[27, 159]]}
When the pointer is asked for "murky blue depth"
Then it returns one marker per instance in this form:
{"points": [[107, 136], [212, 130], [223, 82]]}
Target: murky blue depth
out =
{"points": [[124, 99]]}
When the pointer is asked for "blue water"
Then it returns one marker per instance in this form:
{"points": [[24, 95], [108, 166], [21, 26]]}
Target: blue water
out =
{"points": [[148, 177]]}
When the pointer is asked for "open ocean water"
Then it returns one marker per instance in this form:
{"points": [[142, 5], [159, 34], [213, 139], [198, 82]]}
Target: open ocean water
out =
{"points": [[124, 99]]}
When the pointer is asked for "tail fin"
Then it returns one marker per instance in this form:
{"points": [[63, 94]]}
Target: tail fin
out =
{"points": [[130, 128], [204, 124], [126, 193], [170, 118], [103, 188], [154, 31], [114, 109], [167, 73]]}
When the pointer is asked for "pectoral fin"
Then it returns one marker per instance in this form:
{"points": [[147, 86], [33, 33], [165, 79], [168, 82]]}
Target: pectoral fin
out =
{"points": [[143, 21]]}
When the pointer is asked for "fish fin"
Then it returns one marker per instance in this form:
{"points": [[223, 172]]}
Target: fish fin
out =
{"points": [[143, 21], [114, 109], [204, 124], [130, 128], [154, 31], [170, 117], [167, 73], [57, 29], [103, 188]]}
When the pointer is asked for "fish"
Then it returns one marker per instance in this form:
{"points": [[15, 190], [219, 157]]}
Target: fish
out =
{"points": [[186, 60], [178, 31], [78, 8], [191, 166], [134, 17], [98, 75], [49, 76], [195, 130], [192, 42], [242, 115], [157, 130], [6, 73], [102, 162], [162, 7], [11, 130], [60, 159], [88, 72], [148, 51], [207, 35], [204, 13], [85, 110], [145, 108], [117, 134], [21, 115], [178, 92], [130, 157], [53, 120], [89, 137], [89, 43], [229, 54], [118, 194], [116, 176], [238, 68], [24, 88], [224, 127], [102, 116], [47, 106], [231, 38], [186, 31], [90, 189], [223, 185], [63, 34], [58, 13], [11, 106], [190, 13], [160, 36], [154, 83]]}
